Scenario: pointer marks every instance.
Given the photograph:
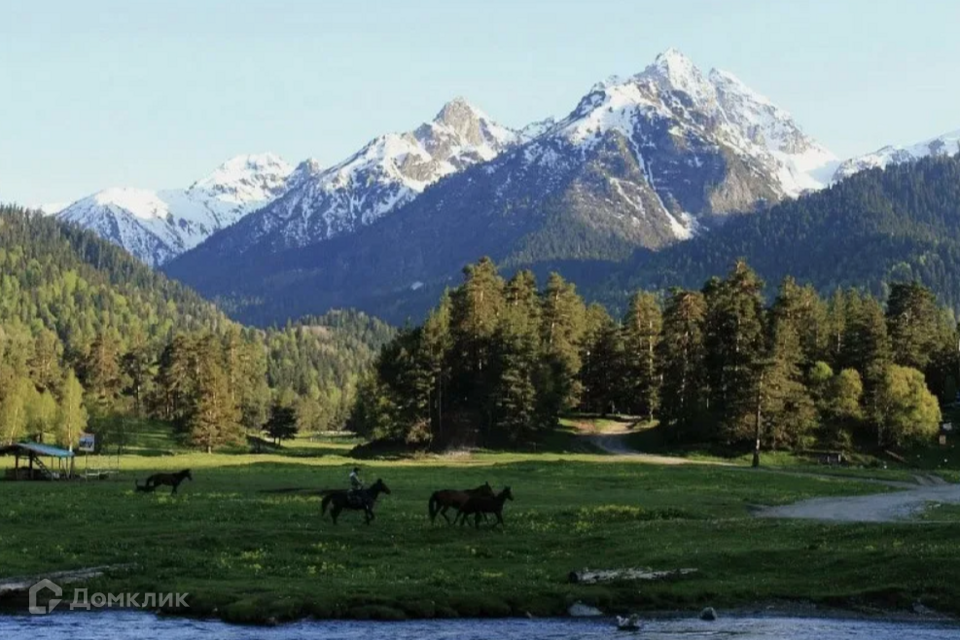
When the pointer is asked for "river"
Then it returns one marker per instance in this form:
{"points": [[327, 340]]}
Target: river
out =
{"points": [[120, 625]]}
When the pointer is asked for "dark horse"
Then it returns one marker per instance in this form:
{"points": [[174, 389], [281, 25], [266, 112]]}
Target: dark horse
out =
{"points": [[480, 505], [168, 479], [445, 499], [362, 499]]}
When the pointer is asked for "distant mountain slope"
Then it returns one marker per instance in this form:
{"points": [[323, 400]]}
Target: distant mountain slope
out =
{"points": [[70, 300], [61, 276], [157, 225], [387, 173], [876, 227], [946, 145], [642, 162]]}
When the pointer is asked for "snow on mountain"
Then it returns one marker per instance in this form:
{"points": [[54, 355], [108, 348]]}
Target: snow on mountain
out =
{"points": [[536, 129], [717, 106], [800, 160], [244, 179], [388, 172], [690, 133], [947, 144], [158, 225]]}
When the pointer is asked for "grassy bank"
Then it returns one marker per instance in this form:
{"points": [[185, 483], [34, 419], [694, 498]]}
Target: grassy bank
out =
{"points": [[246, 539]]}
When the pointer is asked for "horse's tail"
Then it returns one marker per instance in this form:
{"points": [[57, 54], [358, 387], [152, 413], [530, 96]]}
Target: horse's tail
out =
{"points": [[324, 503], [433, 507]]}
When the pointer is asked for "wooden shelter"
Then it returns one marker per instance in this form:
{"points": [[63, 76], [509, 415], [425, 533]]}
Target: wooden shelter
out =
{"points": [[29, 464]]}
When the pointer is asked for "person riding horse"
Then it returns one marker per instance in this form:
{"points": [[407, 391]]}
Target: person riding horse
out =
{"points": [[355, 495]]}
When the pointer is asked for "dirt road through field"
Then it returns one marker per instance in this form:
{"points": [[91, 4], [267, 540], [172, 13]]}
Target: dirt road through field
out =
{"points": [[881, 507], [614, 441]]}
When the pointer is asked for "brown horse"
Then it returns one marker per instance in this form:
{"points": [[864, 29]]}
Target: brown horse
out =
{"points": [[161, 479], [445, 499], [359, 500], [480, 505]]}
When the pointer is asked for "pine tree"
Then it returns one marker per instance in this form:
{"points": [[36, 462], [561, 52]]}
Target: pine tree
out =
{"points": [[868, 346], [789, 412], [603, 374], [373, 411], [101, 372], [45, 362], [514, 395], [836, 328], [177, 379], [435, 347], [135, 366], [563, 323], [474, 312], [214, 417], [802, 307], [517, 360], [282, 424], [642, 327], [735, 348], [913, 320], [682, 351]]}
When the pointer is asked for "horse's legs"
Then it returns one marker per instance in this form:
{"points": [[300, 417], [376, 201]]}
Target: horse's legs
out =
{"points": [[476, 520], [463, 517], [443, 512], [499, 519], [335, 512]]}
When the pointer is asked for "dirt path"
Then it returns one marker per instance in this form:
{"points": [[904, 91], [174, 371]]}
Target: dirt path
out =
{"points": [[616, 444], [614, 441], [882, 507]]}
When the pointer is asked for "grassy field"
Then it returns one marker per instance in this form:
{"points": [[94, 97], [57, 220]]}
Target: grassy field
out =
{"points": [[247, 541]]}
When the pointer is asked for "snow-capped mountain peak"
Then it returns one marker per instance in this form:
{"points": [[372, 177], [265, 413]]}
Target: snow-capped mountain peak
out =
{"points": [[462, 130], [675, 71], [389, 171], [463, 118], [246, 178], [947, 144], [140, 203], [716, 106], [158, 225]]}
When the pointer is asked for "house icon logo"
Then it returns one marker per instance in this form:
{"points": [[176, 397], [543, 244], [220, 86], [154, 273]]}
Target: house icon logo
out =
{"points": [[47, 585]]}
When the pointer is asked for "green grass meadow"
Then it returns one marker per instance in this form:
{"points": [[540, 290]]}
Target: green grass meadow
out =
{"points": [[246, 539]]}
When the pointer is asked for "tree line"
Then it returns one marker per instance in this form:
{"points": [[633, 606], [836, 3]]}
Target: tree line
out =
{"points": [[499, 360], [90, 337]]}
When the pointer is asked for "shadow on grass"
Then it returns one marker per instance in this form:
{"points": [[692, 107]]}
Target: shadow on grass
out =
{"points": [[565, 439]]}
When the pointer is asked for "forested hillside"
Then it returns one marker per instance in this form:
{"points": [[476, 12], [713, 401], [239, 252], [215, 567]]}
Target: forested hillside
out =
{"points": [[87, 333], [879, 226], [497, 361]]}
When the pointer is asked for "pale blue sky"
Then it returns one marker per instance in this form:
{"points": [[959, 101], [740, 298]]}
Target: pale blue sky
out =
{"points": [[156, 94]]}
